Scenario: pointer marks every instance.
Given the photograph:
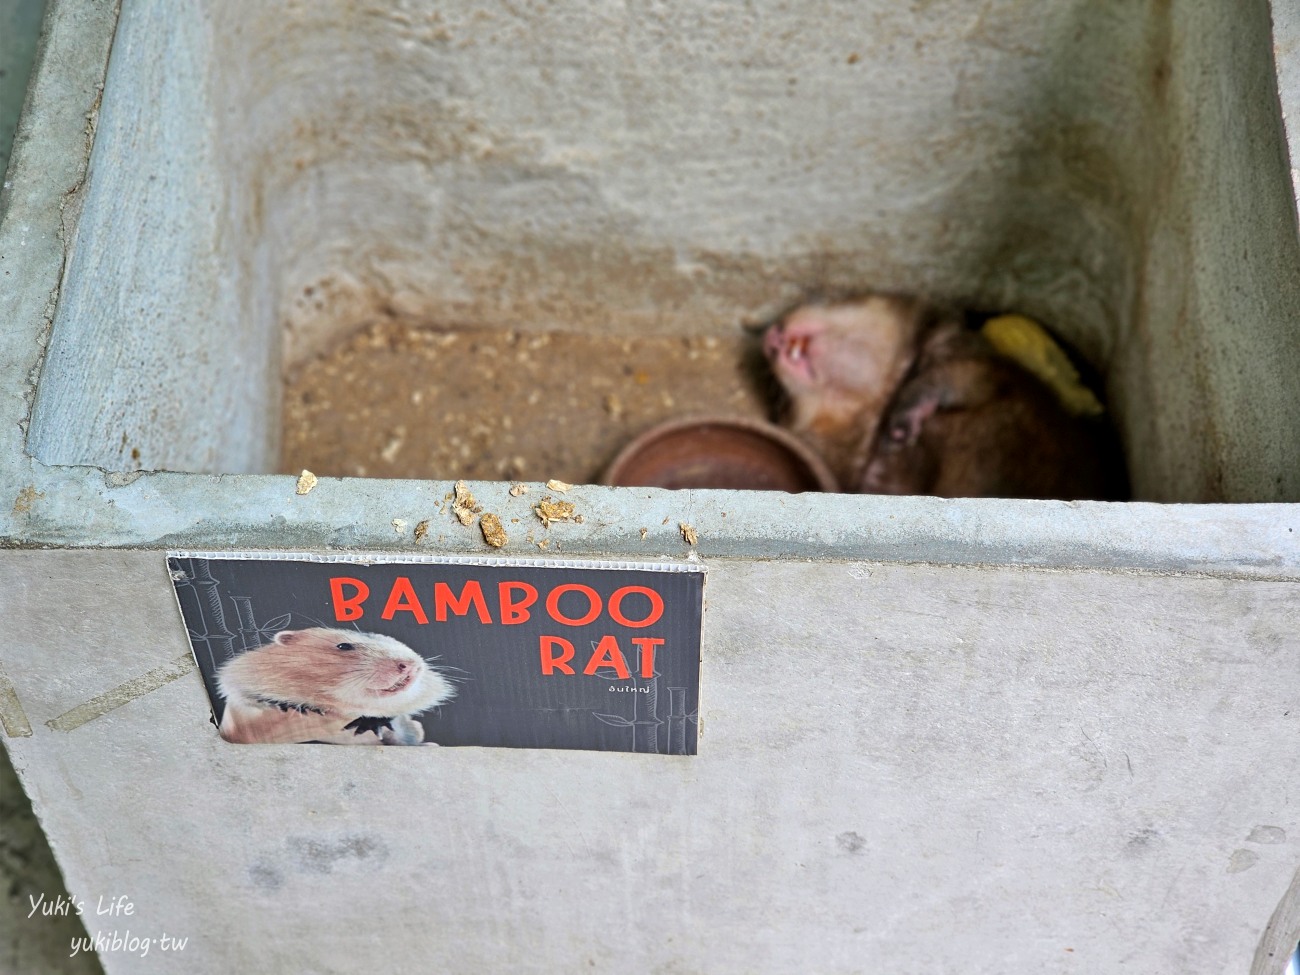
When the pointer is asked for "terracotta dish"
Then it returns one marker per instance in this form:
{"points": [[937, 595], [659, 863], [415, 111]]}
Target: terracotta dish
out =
{"points": [[719, 452]]}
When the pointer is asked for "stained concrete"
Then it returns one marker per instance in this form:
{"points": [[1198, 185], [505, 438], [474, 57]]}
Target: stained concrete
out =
{"points": [[1116, 170], [28, 942], [32, 941], [900, 768], [1286, 55], [1094, 766], [20, 26]]}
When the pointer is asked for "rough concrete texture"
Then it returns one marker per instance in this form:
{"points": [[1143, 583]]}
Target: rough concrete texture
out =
{"points": [[1116, 169], [28, 942], [31, 941], [78, 505], [1094, 767], [20, 26], [985, 770], [1286, 57]]}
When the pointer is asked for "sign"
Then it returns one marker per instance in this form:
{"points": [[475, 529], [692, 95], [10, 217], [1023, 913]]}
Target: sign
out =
{"points": [[516, 654]]}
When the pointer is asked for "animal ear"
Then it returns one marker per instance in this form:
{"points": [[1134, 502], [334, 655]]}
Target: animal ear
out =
{"points": [[286, 637]]}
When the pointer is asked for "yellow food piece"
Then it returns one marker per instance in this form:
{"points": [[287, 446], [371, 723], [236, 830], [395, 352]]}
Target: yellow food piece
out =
{"points": [[548, 511], [1028, 344], [493, 532]]}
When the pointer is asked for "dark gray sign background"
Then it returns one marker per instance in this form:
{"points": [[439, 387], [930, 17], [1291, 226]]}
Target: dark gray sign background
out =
{"points": [[231, 605]]}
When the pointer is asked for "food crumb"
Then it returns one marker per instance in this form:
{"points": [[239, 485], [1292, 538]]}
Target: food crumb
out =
{"points": [[306, 481], [464, 506], [422, 529], [644, 533], [549, 510], [554, 484], [389, 453], [493, 533], [517, 489], [543, 543], [690, 534], [399, 525]]}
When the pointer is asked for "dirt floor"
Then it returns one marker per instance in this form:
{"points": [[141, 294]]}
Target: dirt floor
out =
{"points": [[403, 401]]}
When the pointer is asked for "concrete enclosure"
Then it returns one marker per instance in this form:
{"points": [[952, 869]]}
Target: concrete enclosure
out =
{"points": [[985, 736], [1116, 169]]}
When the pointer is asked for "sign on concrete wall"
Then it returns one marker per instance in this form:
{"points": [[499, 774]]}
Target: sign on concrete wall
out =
{"points": [[446, 651]]}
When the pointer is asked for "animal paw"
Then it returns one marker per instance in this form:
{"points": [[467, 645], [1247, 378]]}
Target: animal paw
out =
{"points": [[402, 730]]}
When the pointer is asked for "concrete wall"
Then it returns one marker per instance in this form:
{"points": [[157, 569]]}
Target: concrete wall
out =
{"points": [[27, 868], [20, 25], [936, 735], [1117, 169], [900, 768]]}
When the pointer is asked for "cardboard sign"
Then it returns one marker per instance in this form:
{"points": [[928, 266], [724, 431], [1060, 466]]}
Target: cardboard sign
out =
{"points": [[446, 651]]}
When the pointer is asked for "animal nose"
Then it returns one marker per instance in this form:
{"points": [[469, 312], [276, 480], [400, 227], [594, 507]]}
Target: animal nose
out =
{"points": [[401, 667]]}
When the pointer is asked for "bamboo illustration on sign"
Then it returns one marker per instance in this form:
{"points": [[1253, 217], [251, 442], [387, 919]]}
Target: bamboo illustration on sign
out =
{"points": [[214, 634], [646, 722], [252, 635], [205, 592]]}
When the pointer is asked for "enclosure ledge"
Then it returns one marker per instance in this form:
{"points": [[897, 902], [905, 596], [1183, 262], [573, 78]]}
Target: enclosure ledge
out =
{"points": [[84, 507]]}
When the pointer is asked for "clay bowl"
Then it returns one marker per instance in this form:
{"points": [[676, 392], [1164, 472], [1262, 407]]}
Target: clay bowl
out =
{"points": [[719, 452]]}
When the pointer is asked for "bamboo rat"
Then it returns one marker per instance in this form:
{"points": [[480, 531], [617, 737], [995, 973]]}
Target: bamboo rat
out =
{"points": [[327, 685]]}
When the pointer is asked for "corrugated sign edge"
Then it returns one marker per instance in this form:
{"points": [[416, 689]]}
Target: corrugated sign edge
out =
{"points": [[399, 558]]}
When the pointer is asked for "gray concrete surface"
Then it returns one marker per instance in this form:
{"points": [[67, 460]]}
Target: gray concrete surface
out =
{"points": [[29, 942], [905, 769], [1115, 169], [1286, 54], [20, 26], [32, 942], [984, 736]]}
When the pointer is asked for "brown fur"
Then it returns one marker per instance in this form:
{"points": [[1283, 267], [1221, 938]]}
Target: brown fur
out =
{"points": [[970, 423], [899, 397]]}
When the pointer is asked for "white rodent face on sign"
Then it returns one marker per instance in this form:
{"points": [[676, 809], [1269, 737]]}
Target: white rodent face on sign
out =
{"points": [[346, 670]]}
